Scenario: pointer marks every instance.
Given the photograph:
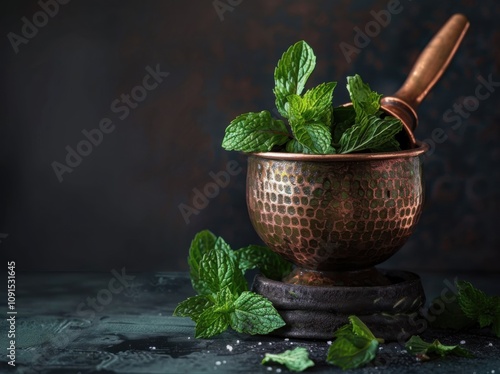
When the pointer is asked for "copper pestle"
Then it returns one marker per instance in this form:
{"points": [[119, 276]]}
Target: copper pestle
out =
{"points": [[426, 71]]}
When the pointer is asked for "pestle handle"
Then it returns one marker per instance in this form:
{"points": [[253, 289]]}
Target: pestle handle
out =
{"points": [[433, 61]]}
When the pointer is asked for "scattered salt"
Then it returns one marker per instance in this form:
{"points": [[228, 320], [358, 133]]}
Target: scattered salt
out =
{"points": [[218, 362], [260, 343], [286, 339], [269, 368], [237, 342], [153, 348], [189, 337], [462, 341], [490, 344], [278, 370], [229, 348], [329, 342], [224, 361]]}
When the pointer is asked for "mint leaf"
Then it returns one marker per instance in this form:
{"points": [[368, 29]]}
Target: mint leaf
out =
{"points": [[270, 264], [202, 243], [218, 270], [364, 100], [193, 307], [419, 347], [478, 306], [314, 106], [255, 132], [254, 314], [295, 360], [354, 345], [369, 132], [314, 136], [211, 322], [389, 146], [293, 146], [292, 72]]}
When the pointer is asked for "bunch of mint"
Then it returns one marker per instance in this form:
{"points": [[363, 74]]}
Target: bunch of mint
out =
{"points": [[316, 127], [223, 300]]}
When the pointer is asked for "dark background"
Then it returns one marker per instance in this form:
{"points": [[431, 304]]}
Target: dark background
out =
{"points": [[120, 206]]}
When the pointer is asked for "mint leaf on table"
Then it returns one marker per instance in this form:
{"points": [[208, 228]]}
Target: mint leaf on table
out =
{"points": [[271, 264], [295, 360], [202, 243], [478, 306], [224, 300], [193, 306], [422, 349], [254, 314], [354, 345], [255, 132], [292, 72], [218, 270], [369, 132]]}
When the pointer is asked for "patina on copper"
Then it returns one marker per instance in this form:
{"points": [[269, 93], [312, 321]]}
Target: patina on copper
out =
{"points": [[335, 216]]}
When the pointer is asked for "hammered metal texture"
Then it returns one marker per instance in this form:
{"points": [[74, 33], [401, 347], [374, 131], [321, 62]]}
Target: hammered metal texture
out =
{"points": [[336, 215]]}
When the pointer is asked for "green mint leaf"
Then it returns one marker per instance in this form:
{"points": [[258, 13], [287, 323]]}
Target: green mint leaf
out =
{"points": [[478, 306], [295, 360], [351, 351], [293, 146], [315, 106], [272, 265], [344, 118], [292, 72], [354, 345], [451, 317], [255, 132], [363, 98], [419, 347], [254, 314], [211, 322], [360, 329], [369, 132], [215, 319], [193, 307], [218, 270], [316, 137], [202, 243]]}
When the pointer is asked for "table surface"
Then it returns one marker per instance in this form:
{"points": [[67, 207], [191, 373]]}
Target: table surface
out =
{"points": [[131, 330]]}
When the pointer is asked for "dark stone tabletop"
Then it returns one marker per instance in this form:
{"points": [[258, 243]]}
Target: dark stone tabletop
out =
{"points": [[86, 323]]}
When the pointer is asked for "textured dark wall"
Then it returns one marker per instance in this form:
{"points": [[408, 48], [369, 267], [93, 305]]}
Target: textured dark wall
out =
{"points": [[120, 205]]}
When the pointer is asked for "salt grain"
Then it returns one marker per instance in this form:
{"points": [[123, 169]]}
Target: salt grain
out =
{"points": [[218, 363], [269, 368], [462, 341], [224, 361], [286, 339], [278, 370], [260, 343], [490, 344], [329, 342], [229, 348], [237, 342], [152, 348]]}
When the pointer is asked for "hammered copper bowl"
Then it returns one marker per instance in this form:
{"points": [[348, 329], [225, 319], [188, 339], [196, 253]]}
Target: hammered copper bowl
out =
{"points": [[335, 213]]}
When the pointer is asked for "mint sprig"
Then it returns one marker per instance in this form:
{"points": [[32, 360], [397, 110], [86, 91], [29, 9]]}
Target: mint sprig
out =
{"points": [[425, 350], [217, 274], [354, 345], [314, 127], [295, 359], [478, 306]]}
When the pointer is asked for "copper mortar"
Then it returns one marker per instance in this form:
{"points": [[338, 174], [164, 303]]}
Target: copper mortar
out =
{"points": [[335, 216]]}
